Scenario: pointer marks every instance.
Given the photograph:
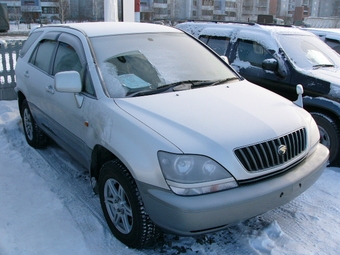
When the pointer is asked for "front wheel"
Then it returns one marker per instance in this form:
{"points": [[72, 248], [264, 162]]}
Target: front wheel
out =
{"points": [[35, 137], [123, 207], [329, 136]]}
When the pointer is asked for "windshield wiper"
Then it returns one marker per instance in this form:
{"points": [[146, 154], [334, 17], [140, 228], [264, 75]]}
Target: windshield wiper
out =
{"points": [[161, 89], [176, 86], [180, 85], [224, 80], [322, 65], [197, 84]]}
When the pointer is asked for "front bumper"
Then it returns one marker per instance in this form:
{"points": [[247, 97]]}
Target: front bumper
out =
{"points": [[210, 212]]}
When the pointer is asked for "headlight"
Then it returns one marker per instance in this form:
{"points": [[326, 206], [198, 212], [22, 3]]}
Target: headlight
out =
{"points": [[194, 174]]}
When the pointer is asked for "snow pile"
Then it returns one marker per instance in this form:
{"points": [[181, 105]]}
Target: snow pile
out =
{"points": [[47, 207]]}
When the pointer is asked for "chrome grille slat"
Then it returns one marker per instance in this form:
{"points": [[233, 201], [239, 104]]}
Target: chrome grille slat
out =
{"points": [[265, 155]]}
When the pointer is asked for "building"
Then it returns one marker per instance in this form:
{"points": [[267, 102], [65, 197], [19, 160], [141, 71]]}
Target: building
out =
{"points": [[218, 10], [77, 10], [169, 11]]}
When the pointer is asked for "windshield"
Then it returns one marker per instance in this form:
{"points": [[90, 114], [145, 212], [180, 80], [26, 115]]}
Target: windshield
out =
{"points": [[308, 52], [143, 62]]}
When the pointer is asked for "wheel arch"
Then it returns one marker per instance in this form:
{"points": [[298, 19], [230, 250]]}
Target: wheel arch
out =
{"points": [[324, 106], [21, 97], [100, 155]]}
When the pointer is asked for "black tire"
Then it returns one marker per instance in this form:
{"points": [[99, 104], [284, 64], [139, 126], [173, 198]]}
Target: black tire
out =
{"points": [[35, 137], [329, 136], [123, 207]]}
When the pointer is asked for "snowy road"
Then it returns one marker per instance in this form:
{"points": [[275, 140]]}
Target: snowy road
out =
{"points": [[48, 207]]}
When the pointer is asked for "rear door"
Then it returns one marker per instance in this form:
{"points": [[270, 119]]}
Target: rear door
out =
{"points": [[37, 74]]}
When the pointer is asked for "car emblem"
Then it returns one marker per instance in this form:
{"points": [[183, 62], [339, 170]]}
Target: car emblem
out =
{"points": [[282, 150]]}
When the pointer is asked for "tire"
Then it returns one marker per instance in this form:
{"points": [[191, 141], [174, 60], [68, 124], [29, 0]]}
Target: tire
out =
{"points": [[35, 137], [329, 136], [123, 207]]}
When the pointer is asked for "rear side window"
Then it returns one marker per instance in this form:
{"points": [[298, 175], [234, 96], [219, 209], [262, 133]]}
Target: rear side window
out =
{"points": [[28, 43], [42, 55], [217, 43]]}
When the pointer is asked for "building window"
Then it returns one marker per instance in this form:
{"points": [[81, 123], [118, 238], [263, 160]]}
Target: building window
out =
{"points": [[207, 2], [230, 4], [161, 11], [160, 1], [207, 12], [230, 14]]}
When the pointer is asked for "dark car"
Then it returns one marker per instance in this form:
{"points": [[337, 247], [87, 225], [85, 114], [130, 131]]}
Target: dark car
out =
{"points": [[278, 58], [331, 36]]}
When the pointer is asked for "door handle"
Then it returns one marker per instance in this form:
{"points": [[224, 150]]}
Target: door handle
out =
{"points": [[50, 89], [26, 74]]}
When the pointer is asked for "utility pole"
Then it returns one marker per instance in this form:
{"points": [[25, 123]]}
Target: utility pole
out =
{"points": [[128, 10], [110, 10]]}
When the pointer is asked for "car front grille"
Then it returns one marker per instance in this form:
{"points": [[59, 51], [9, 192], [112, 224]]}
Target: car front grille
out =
{"points": [[272, 153]]}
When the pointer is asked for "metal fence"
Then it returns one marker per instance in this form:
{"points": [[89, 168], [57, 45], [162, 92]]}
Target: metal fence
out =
{"points": [[9, 52]]}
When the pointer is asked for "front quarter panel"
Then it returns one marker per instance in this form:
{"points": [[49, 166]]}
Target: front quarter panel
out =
{"points": [[135, 144]]}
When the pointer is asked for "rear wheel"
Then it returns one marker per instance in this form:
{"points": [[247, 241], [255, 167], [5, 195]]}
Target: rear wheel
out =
{"points": [[123, 207], [35, 137], [329, 136]]}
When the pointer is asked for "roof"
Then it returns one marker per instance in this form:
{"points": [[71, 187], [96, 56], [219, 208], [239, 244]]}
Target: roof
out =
{"points": [[197, 27], [93, 29]]}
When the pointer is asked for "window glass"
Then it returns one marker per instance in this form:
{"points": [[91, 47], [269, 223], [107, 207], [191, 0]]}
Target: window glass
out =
{"points": [[140, 62], [218, 44], [252, 52], [204, 38], [42, 55], [66, 59], [308, 51], [31, 39]]}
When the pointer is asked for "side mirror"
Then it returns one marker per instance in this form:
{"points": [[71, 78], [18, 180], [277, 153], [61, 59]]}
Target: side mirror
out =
{"points": [[68, 82], [270, 64], [299, 91]]}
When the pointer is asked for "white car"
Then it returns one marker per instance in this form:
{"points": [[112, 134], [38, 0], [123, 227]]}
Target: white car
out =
{"points": [[174, 138]]}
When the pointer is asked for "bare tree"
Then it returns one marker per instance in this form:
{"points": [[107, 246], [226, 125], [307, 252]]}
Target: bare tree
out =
{"points": [[64, 7]]}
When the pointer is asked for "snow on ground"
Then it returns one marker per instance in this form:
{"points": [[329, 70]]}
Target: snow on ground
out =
{"points": [[47, 207]]}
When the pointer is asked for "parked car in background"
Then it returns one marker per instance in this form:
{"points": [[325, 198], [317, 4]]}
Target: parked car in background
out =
{"points": [[278, 58], [4, 22], [330, 36], [171, 143]]}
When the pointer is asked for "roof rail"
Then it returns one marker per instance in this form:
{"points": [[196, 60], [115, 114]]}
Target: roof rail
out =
{"points": [[272, 24], [222, 21], [240, 22]]}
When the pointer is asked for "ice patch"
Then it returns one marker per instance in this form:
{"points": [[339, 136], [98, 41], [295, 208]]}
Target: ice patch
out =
{"points": [[265, 242]]}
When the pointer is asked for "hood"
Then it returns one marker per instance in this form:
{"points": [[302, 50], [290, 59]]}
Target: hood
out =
{"points": [[328, 74], [217, 119], [324, 81]]}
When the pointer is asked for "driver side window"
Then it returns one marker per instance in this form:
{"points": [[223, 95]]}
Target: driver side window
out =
{"points": [[252, 52], [67, 59]]}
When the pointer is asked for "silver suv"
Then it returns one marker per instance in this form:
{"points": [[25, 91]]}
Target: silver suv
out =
{"points": [[170, 142]]}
